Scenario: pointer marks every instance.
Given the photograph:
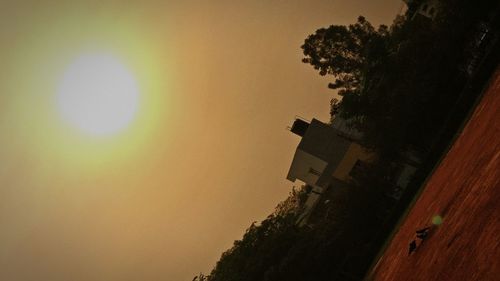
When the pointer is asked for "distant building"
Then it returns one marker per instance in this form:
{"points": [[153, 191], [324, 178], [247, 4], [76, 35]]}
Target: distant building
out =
{"points": [[331, 156], [426, 8], [325, 153]]}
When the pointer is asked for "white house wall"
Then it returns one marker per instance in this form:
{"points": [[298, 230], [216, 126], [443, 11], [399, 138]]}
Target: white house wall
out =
{"points": [[302, 164]]}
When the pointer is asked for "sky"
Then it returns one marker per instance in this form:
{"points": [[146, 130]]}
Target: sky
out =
{"points": [[205, 155]]}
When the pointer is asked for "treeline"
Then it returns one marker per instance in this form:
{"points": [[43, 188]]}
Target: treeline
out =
{"points": [[333, 245], [398, 84]]}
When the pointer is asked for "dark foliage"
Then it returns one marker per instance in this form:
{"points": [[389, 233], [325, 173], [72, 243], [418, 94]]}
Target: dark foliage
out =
{"points": [[399, 84], [334, 244]]}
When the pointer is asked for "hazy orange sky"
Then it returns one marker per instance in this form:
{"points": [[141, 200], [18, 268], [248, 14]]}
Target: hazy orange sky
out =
{"points": [[207, 155]]}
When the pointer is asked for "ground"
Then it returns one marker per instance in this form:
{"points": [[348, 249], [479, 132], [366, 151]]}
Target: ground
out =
{"points": [[465, 191]]}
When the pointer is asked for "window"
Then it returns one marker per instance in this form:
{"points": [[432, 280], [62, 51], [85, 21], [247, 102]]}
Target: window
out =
{"points": [[314, 172]]}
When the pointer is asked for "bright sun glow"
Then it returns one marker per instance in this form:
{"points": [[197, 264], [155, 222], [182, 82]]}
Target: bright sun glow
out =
{"points": [[97, 94]]}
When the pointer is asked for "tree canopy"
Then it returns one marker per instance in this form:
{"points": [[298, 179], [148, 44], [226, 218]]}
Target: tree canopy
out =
{"points": [[397, 84], [346, 52]]}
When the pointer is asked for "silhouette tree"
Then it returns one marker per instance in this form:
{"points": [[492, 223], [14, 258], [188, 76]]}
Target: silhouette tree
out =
{"points": [[346, 52]]}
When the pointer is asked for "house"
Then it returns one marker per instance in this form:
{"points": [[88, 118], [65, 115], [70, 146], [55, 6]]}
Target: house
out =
{"points": [[325, 153], [330, 156]]}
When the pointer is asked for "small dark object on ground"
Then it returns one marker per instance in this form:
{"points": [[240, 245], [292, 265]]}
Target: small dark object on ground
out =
{"points": [[423, 230], [413, 247], [422, 233]]}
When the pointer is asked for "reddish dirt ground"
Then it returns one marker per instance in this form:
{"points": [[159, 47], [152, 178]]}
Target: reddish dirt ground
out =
{"points": [[465, 190]]}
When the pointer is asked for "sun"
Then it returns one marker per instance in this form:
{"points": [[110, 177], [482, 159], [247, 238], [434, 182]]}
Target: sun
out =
{"points": [[97, 94]]}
